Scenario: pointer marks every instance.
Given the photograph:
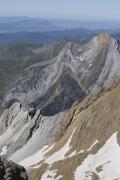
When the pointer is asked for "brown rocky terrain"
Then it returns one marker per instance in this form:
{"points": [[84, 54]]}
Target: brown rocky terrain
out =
{"points": [[97, 121]]}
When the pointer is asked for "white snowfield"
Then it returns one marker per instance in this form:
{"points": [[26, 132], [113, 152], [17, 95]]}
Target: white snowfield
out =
{"points": [[108, 158], [41, 155], [36, 158]]}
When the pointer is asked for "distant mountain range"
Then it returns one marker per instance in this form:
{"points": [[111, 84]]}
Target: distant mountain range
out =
{"points": [[78, 35], [45, 37], [11, 25], [36, 30], [18, 24]]}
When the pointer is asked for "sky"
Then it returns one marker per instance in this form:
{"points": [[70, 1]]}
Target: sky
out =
{"points": [[63, 9]]}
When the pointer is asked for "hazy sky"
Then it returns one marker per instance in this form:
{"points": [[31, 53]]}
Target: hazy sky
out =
{"points": [[68, 9]]}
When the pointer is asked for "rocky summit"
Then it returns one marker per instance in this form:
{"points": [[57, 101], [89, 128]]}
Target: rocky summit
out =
{"points": [[61, 120]]}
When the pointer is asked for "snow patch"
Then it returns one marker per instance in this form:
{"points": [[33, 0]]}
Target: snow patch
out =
{"points": [[107, 158], [81, 59], [4, 151], [72, 154], [36, 158], [82, 151], [60, 155], [92, 145]]}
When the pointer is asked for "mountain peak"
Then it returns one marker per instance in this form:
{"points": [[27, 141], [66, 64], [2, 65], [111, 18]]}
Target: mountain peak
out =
{"points": [[104, 38], [101, 40]]}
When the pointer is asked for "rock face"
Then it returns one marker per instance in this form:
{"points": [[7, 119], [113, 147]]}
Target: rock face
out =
{"points": [[12, 171], [68, 77], [24, 135], [66, 114], [16, 57], [78, 69]]}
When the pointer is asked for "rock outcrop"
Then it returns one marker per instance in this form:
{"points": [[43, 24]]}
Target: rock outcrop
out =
{"points": [[11, 171]]}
